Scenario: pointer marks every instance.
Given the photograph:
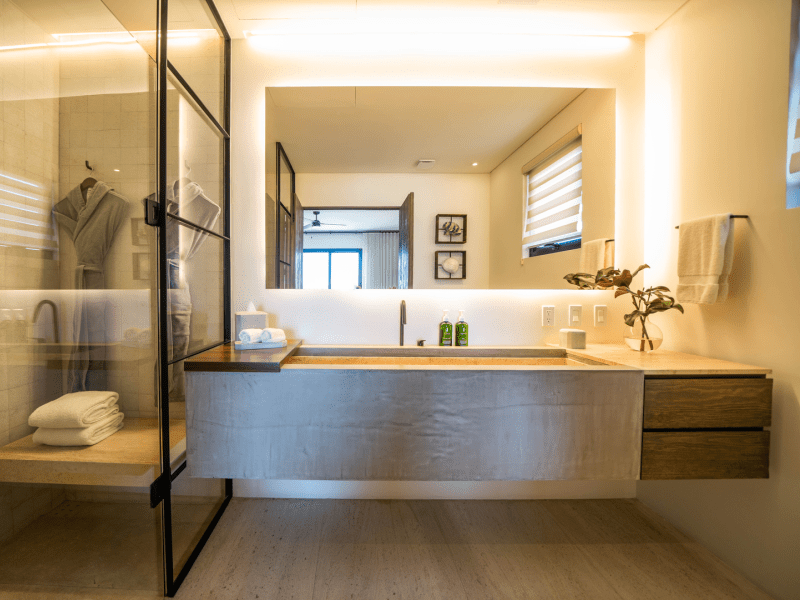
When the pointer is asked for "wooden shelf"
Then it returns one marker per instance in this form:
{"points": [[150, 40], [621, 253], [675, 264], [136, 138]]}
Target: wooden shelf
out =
{"points": [[130, 457]]}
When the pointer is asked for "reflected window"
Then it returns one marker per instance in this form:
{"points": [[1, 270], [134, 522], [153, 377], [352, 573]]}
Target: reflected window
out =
{"points": [[332, 269]]}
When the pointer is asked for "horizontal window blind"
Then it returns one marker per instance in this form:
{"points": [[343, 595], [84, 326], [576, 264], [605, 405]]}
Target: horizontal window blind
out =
{"points": [[554, 198], [25, 215]]}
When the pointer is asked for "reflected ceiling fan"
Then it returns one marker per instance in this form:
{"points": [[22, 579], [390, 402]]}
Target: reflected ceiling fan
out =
{"points": [[315, 222]]}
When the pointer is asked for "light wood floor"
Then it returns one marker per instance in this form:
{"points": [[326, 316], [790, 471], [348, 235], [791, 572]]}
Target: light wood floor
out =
{"points": [[453, 550]]}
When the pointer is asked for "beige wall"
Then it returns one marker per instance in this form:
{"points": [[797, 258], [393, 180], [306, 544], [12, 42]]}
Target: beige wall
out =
{"points": [[595, 110], [433, 194], [717, 90]]}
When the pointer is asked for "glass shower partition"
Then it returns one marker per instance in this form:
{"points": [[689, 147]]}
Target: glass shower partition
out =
{"points": [[115, 262], [192, 214]]}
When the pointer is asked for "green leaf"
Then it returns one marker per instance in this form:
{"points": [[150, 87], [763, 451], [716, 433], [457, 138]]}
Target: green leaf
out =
{"points": [[641, 267]]}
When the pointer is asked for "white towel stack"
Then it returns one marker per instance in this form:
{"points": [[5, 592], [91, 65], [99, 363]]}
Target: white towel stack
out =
{"points": [[705, 259], [79, 419], [269, 337], [137, 337]]}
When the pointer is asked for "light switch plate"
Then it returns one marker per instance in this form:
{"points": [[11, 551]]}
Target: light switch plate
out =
{"points": [[575, 315], [600, 315], [548, 316]]}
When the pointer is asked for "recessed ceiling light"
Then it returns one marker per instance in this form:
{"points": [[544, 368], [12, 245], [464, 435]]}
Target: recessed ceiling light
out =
{"points": [[474, 164]]}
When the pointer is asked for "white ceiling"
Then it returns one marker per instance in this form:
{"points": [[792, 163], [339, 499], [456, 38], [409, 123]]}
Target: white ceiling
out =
{"points": [[354, 220], [560, 16], [388, 129], [540, 16]]}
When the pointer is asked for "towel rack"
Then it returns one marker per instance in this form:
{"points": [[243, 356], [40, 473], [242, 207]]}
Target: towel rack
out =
{"points": [[732, 217]]}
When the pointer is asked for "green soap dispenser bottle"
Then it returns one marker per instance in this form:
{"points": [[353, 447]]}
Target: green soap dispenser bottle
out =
{"points": [[445, 331], [462, 330]]}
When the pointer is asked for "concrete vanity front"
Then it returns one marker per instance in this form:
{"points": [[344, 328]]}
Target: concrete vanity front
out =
{"points": [[477, 413], [421, 414]]}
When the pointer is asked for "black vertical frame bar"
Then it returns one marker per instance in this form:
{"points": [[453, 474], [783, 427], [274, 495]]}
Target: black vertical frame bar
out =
{"points": [[280, 152], [163, 291], [172, 581]]}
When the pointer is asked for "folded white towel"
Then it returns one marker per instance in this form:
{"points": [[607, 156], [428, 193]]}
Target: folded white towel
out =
{"points": [[249, 336], [88, 436], [134, 335], [596, 255], [271, 334], [75, 410], [705, 259], [131, 334]]}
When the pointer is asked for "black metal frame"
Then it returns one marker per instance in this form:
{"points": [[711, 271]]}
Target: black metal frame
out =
{"points": [[280, 152], [161, 489]]}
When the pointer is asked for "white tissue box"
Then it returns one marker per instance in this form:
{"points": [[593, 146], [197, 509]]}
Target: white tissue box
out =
{"points": [[572, 338], [251, 320]]}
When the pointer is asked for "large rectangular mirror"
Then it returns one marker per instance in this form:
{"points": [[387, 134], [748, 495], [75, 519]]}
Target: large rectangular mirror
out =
{"points": [[439, 187]]}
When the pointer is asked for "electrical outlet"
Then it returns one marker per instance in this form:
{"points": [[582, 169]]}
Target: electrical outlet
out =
{"points": [[575, 314], [548, 316], [600, 315]]}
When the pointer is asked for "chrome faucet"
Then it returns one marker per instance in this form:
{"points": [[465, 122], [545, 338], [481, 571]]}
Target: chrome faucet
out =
{"points": [[56, 336], [402, 320]]}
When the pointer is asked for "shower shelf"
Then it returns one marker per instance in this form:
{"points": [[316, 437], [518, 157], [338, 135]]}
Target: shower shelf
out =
{"points": [[130, 457]]}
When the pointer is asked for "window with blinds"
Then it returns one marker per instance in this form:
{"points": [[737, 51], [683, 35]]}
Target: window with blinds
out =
{"points": [[25, 215], [553, 204]]}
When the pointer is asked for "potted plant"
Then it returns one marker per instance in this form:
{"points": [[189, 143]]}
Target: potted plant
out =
{"points": [[642, 335]]}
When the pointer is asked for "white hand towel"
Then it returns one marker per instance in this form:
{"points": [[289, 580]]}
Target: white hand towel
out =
{"points": [[595, 256], [608, 261], [75, 410], [87, 436], [705, 259], [271, 334], [249, 336]]}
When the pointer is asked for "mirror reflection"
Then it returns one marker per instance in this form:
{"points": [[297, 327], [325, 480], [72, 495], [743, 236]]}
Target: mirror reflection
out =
{"points": [[517, 184]]}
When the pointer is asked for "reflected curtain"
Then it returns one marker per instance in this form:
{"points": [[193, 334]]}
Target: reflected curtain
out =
{"points": [[380, 262]]}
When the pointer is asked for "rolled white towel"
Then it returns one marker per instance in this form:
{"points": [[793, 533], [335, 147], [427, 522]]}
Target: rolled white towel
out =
{"points": [[88, 436], [80, 409], [271, 334], [250, 336], [144, 337]]}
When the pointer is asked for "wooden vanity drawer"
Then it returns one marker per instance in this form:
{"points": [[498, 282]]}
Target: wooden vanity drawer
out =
{"points": [[705, 455], [707, 403]]}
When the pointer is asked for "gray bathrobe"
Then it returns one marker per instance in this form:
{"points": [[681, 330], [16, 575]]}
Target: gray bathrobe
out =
{"points": [[182, 245], [91, 222]]}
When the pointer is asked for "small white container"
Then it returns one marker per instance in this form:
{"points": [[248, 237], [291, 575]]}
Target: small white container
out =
{"points": [[572, 338]]}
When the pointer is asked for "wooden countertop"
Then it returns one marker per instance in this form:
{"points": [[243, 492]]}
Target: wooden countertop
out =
{"points": [[665, 362], [225, 358], [659, 363]]}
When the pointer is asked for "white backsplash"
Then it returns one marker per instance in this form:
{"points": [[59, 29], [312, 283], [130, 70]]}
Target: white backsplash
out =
{"points": [[495, 317]]}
